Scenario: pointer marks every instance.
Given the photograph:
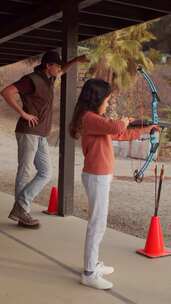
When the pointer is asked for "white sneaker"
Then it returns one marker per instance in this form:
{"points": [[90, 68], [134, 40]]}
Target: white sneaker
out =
{"points": [[95, 280], [104, 269]]}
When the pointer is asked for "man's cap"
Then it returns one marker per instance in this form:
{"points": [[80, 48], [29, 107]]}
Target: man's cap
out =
{"points": [[51, 57]]}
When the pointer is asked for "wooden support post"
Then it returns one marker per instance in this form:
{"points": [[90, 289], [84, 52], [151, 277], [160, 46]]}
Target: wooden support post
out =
{"points": [[68, 98]]}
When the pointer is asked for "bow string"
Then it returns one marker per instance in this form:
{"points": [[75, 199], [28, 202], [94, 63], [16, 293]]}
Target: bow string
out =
{"points": [[154, 133]]}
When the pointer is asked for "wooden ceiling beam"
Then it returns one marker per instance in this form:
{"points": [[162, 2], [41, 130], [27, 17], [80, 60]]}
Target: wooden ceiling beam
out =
{"points": [[17, 9], [157, 6], [44, 35], [29, 2], [119, 11], [35, 37], [41, 29], [91, 31], [24, 49], [86, 3], [55, 32], [109, 23], [33, 44], [11, 54], [27, 23], [84, 37], [57, 27]]}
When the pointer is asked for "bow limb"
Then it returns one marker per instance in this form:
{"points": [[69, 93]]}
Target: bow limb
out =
{"points": [[154, 134], [154, 141]]}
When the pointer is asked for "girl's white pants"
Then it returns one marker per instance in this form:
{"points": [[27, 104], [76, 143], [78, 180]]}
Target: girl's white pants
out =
{"points": [[97, 189]]}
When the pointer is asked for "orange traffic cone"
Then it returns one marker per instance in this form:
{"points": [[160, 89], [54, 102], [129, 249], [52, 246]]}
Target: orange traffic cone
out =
{"points": [[154, 246], [53, 202]]}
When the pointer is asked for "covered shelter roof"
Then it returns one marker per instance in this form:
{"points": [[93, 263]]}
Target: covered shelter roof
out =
{"points": [[31, 27]]}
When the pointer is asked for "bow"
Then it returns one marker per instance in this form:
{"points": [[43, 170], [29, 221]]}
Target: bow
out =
{"points": [[154, 133]]}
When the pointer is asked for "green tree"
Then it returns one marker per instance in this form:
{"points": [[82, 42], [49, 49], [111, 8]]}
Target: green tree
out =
{"points": [[115, 56], [154, 55]]}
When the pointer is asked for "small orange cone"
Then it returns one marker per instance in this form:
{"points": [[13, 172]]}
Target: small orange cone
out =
{"points": [[154, 246], [53, 202]]}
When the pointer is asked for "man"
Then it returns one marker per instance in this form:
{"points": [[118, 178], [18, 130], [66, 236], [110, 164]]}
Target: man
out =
{"points": [[33, 126]]}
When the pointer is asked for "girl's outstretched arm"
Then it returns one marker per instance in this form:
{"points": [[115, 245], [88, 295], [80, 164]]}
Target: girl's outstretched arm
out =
{"points": [[132, 134]]}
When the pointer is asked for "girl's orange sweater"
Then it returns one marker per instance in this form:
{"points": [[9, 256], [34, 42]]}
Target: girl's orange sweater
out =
{"points": [[96, 139]]}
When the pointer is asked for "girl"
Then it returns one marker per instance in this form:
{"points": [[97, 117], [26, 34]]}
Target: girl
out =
{"points": [[97, 133]]}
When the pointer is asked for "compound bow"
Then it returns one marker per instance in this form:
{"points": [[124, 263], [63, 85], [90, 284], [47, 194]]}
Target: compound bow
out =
{"points": [[154, 133]]}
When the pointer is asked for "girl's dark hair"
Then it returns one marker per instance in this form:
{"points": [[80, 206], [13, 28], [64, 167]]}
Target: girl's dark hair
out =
{"points": [[91, 97]]}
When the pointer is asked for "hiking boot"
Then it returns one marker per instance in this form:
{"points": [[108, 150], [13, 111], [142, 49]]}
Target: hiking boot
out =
{"points": [[34, 225], [15, 212], [26, 220], [19, 214]]}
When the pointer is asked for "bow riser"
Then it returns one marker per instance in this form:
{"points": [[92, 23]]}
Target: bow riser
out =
{"points": [[154, 106]]}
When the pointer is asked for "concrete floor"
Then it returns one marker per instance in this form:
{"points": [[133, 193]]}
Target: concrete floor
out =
{"points": [[43, 266]]}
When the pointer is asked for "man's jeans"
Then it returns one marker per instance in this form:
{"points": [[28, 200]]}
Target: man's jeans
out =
{"points": [[97, 189], [32, 150]]}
